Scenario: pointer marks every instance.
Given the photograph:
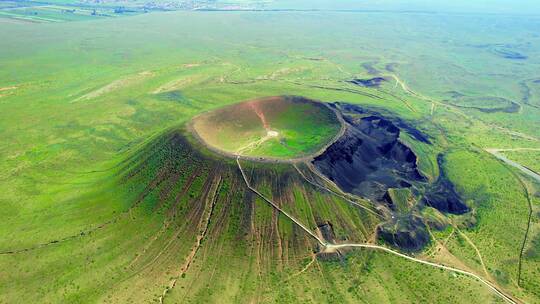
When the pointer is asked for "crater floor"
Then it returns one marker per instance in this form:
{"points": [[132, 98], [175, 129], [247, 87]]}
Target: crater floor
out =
{"points": [[280, 128]]}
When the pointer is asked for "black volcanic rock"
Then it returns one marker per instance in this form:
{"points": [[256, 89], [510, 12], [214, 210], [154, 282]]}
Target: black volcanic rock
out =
{"points": [[351, 109], [409, 233], [369, 158], [368, 82], [327, 231], [442, 194]]}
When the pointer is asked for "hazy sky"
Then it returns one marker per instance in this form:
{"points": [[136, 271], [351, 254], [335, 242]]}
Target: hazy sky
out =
{"points": [[465, 6]]}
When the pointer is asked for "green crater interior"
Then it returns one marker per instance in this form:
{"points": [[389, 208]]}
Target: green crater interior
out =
{"points": [[273, 127]]}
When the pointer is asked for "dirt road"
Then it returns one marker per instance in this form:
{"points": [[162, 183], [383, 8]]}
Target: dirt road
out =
{"points": [[497, 153]]}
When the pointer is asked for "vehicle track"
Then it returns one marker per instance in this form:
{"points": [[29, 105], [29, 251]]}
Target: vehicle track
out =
{"points": [[492, 287], [471, 243]]}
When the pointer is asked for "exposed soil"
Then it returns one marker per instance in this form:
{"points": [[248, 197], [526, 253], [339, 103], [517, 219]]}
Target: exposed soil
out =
{"points": [[8, 88], [116, 85]]}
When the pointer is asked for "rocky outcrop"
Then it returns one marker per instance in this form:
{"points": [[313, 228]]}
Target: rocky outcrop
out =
{"points": [[406, 232]]}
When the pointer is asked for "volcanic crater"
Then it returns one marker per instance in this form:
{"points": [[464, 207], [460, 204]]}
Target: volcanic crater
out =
{"points": [[353, 149], [280, 128]]}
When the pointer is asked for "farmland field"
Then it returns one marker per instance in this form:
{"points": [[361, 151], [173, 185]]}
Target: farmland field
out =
{"points": [[132, 137]]}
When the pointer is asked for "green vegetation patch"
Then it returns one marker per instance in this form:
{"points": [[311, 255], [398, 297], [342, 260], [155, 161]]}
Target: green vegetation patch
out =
{"points": [[401, 198]]}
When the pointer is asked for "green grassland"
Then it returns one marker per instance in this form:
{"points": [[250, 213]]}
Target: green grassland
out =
{"points": [[88, 113]]}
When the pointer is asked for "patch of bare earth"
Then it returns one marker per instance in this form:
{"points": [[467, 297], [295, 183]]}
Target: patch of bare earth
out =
{"points": [[173, 85], [115, 85], [5, 91]]}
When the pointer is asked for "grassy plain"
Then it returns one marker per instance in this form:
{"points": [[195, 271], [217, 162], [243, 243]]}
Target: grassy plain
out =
{"points": [[81, 104]]}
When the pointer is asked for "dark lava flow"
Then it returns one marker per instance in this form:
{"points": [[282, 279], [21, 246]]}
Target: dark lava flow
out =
{"points": [[503, 50], [442, 194], [349, 109], [368, 82], [407, 232], [369, 159]]}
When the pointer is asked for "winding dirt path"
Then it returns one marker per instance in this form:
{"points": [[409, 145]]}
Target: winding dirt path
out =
{"points": [[471, 243], [313, 260], [329, 246], [492, 287]]}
